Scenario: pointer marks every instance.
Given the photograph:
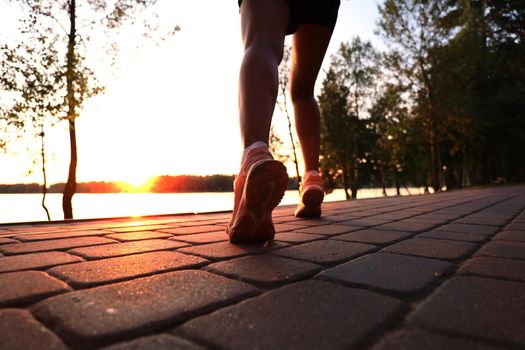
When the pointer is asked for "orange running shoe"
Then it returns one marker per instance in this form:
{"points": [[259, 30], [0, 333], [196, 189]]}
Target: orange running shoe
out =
{"points": [[258, 189], [312, 194]]}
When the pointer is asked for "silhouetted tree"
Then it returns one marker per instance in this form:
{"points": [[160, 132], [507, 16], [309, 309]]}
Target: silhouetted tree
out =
{"points": [[29, 74], [413, 29], [282, 103], [480, 81], [337, 144], [65, 28], [352, 76]]}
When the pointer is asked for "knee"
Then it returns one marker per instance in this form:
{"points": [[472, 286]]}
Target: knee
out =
{"points": [[300, 92]]}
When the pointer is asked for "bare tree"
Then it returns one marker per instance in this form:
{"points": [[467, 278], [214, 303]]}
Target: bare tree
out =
{"points": [[282, 103]]}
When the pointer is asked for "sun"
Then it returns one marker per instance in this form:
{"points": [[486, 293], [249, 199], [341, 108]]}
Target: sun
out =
{"points": [[137, 183]]}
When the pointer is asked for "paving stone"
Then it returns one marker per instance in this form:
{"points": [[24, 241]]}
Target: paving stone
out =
{"points": [[453, 236], [396, 215], [518, 236], [503, 249], [329, 230], [20, 330], [287, 227], [444, 217], [407, 226], [366, 222], [414, 339], [133, 308], [478, 307], [119, 249], [7, 241], [326, 251], [495, 267], [136, 236], [225, 250], [430, 221], [54, 244], [399, 274], [468, 228], [127, 224], [296, 237], [156, 342], [40, 230], [293, 317], [35, 261], [265, 270], [188, 223], [434, 248], [24, 287], [192, 229], [90, 273], [480, 220], [345, 216], [65, 234], [374, 236], [291, 219], [139, 228], [515, 226], [202, 238]]}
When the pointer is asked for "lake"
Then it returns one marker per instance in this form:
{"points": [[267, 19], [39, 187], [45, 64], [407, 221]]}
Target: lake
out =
{"points": [[26, 207]]}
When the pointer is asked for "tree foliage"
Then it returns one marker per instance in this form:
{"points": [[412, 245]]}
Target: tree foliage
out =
{"points": [[48, 71], [444, 107], [347, 92]]}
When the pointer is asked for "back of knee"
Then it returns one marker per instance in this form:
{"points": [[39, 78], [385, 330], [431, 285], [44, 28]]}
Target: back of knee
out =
{"points": [[301, 92]]}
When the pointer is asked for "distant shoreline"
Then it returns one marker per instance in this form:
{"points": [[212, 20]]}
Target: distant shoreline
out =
{"points": [[158, 184]]}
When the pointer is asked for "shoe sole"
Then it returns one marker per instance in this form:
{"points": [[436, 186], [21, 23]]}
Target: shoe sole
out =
{"points": [[311, 200], [263, 190], [312, 197]]}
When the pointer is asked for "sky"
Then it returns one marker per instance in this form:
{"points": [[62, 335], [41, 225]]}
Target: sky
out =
{"points": [[170, 108]]}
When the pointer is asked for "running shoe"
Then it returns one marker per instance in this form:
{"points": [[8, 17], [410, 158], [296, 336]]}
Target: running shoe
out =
{"points": [[258, 189], [312, 194]]}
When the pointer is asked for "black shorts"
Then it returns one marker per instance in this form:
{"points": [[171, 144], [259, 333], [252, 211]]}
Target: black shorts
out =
{"points": [[321, 12]]}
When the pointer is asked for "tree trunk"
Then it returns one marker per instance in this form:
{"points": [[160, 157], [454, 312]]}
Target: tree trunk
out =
{"points": [[354, 190], [355, 181], [44, 189], [434, 150], [355, 170], [295, 161], [345, 183], [71, 184], [382, 174]]}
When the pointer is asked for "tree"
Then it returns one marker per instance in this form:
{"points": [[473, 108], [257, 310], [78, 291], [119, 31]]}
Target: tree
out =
{"points": [[68, 28], [383, 123], [354, 70], [282, 103], [396, 152], [276, 146], [336, 141], [29, 74], [413, 29], [479, 85]]}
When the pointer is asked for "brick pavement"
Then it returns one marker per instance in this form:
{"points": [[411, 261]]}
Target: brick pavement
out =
{"points": [[442, 271]]}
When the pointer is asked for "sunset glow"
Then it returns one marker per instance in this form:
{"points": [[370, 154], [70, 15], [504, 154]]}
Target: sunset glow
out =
{"points": [[167, 109]]}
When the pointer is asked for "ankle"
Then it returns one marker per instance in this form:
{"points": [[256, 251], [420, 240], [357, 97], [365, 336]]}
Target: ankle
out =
{"points": [[255, 145], [310, 173]]}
